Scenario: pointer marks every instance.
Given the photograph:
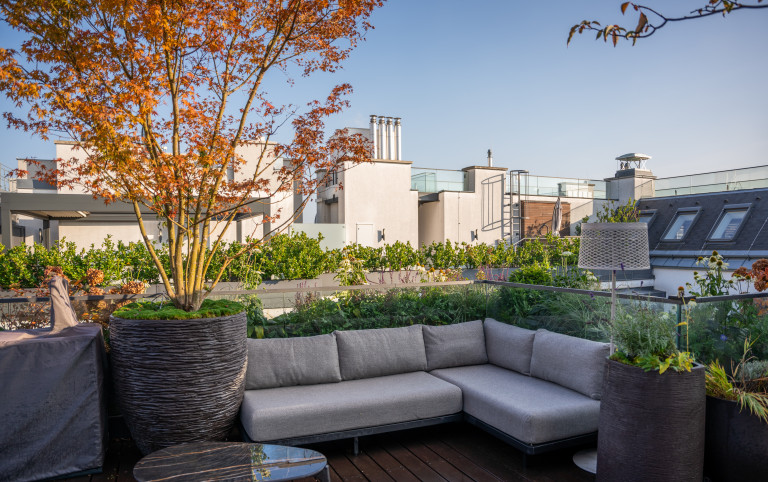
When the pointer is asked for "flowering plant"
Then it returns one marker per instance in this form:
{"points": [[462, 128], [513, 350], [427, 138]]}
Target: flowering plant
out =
{"points": [[760, 274], [351, 271], [713, 282]]}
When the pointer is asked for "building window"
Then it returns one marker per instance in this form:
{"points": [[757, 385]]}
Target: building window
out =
{"points": [[681, 225], [646, 216], [729, 223]]}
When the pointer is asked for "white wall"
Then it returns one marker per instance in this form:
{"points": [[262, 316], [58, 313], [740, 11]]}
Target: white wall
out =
{"points": [[334, 235], [378, 193], [84, 233], [669, 279]]}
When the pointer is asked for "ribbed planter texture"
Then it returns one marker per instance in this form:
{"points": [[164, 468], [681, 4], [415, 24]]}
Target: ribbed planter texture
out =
{"points": [[178, 381], [651, 426], [736, 443]]}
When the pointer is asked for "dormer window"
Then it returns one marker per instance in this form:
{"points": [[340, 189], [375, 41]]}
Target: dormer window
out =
{"points": [[730, 222], [646, 216], [681, 224]]}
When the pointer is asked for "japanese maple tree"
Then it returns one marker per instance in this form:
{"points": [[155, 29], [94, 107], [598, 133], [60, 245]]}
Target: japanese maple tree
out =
{"points": [[650, 19], [162, 97]]}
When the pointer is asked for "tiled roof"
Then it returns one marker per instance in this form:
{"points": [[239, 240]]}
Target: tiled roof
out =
{"points": [[749, 243]]}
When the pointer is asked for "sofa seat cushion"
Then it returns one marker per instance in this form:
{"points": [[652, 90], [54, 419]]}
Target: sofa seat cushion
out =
{"points": [[529, 409], [286, 412]]}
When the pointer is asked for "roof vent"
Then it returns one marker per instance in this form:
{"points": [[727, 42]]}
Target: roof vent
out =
{"points": [[632, 160]]}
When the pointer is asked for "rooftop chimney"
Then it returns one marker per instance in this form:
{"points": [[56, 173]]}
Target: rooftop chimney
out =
{"points": [[374, 136], [398, 140], [386, 133], [490, 158]]}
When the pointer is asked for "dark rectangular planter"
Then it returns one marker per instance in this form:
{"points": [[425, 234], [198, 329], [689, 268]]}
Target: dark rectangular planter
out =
{"points": [[736, 443], [651, 425]]}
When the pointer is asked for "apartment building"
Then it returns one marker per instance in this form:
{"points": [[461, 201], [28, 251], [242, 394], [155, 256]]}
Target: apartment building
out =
{"points": [[33, 211]]}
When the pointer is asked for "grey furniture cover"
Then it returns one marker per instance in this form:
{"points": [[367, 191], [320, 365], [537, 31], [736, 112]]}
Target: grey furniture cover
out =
{"points": [[527, 408], [287, 412], [52, 411]]}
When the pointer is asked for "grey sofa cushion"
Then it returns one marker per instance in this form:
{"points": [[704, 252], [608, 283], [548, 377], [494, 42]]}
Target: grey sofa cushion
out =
{"points": [[279, 413], [455, 345], [280, 362], [509, 346], [572, 362], [529, 409], [379, 352]]}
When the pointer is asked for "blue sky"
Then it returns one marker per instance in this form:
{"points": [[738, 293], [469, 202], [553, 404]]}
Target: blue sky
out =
{"points": [[468, 76]]}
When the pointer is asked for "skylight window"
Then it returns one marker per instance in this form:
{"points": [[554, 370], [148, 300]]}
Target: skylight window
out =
{"points": [[681, 225], [731, 220]]}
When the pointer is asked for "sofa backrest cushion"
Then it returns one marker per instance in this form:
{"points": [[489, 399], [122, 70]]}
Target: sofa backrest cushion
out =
{"points": [[283, 362], [455, 345], [381, 351], [571, 362], [509, 346]]}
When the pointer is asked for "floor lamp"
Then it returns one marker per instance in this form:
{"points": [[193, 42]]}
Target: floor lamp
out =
{"points": [[613, 247]]}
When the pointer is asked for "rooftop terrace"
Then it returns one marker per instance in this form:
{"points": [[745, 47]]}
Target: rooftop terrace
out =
{"points": [[456, 450]]}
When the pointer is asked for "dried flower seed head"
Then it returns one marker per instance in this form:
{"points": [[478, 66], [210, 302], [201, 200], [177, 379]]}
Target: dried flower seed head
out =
{"points": [[53, 271], [95, 291], [132, 288], [94, 277]]}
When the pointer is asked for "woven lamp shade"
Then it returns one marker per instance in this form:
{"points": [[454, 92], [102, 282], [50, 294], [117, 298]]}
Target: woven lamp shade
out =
{"points": [[614, 246]]}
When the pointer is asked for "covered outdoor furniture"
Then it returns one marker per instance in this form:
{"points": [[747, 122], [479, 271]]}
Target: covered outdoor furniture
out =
{"points": [[52, 400]]}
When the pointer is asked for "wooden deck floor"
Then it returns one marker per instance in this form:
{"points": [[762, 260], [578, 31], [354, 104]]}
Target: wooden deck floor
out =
{"points": [[451, 452]]}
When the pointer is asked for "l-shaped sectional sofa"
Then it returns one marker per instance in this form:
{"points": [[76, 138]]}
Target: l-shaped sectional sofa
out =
{"points": [[536, 390]]}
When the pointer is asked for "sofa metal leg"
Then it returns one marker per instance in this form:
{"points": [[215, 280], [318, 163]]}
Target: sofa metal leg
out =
{"points": [[356, 446], [325, 475]]}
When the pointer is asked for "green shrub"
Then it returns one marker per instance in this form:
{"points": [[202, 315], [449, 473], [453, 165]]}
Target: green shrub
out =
{"points": [[150, 310], [364, 310]]}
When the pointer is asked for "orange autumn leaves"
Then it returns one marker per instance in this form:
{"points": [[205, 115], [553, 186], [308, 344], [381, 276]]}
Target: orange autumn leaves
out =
{"points": [[164, 96]]}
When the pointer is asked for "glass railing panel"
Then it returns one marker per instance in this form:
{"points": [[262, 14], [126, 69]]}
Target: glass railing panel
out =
{"points": [[559, 186], [564, 311], [733, 180], [318, 311], [436, 180], [718, 330]]}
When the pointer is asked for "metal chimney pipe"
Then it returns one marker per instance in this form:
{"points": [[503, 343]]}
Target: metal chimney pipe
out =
{"points": [[391, 138], [490, 158], [398, 140], [383, 154], [374, 135]]}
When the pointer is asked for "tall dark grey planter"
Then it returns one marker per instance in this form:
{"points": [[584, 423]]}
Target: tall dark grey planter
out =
{"points": [[651, 426], [736, 443], [178, 381]]}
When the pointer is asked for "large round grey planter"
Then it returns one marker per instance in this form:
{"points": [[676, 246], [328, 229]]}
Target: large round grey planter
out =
{"points": [[651, 426], [178, 381]]}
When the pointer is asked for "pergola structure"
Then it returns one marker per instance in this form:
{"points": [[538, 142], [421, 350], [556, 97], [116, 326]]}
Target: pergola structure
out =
{"points": [[55, 207]]}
